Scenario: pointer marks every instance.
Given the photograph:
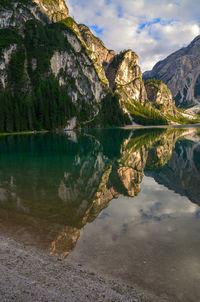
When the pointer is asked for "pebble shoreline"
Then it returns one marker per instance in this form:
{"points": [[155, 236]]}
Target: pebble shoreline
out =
{"points": [[27, 274]]}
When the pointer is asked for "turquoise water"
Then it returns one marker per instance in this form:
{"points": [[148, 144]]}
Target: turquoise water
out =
{"points": [[123, 202]]}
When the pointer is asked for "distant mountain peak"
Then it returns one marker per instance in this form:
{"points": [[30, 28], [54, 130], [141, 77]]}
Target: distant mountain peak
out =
{"points": [[196, 39], [180, 71]]}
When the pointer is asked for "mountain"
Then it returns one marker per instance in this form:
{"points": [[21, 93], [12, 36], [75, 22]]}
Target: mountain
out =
{"points": [[54, 73], [181, 73]]}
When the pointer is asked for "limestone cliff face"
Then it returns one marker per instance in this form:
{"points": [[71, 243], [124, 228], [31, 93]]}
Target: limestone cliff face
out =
{"points": [[79, 70], [99, 54], [4, 62], [125, 77], [56, 10], [120, 72], [181, 73], [67, 59], [160, 97], [16, 13]]}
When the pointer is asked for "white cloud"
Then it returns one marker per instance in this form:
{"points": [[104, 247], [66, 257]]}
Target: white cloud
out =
{"points": [[170, 24]]}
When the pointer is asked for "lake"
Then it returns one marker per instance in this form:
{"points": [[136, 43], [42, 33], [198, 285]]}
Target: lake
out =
{"points": [[124, 202]]}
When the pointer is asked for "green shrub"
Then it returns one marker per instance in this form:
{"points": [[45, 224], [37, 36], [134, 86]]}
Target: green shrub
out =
{"points": [[145, 115]]}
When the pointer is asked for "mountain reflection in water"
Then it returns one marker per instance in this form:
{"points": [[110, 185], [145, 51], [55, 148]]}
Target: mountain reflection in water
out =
{"points": [[52, 185], [63, 182]]}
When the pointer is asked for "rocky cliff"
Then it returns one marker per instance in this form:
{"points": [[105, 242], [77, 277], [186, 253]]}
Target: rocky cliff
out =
{"points": [[66, 76], [43, 59], [99, 54], [181, 73], [125, 77], [160, 96], [55, 10]]}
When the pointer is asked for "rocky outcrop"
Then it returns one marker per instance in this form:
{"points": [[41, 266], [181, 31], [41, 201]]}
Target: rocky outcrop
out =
{"points": [[79, 70], [160, 97], [4, 62], [181, 73], [56, 10], [94, 44], [125, 77], [99, 54], [16, 13]]}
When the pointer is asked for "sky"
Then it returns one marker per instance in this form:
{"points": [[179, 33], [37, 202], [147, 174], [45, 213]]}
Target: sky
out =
{"points": [[152, 28]]}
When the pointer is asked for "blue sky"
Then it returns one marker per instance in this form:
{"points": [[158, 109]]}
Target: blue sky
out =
{"points": [[152, 28]]}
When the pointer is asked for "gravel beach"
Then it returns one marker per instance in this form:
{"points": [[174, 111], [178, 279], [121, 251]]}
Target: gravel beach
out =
{"points": [[28, 274]]}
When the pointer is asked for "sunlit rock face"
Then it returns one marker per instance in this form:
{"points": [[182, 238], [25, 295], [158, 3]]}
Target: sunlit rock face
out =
{"points": [[79, 71], [125, 77], [97, 51], [96, 45], [128, 68], [181, 73], [56, 10], [160, 97]]}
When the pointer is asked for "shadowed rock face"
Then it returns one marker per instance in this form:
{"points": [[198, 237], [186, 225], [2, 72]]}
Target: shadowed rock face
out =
{"points": [[63, 184], [181, 72]]}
